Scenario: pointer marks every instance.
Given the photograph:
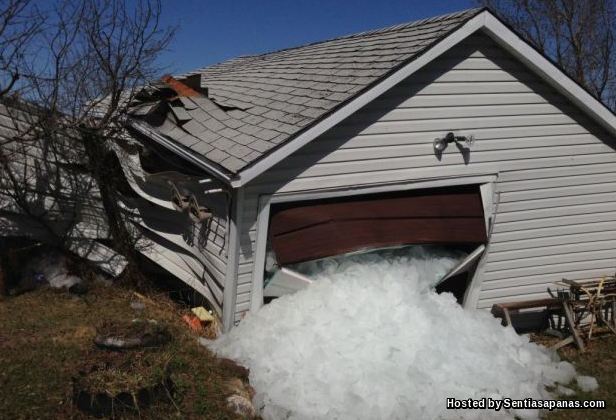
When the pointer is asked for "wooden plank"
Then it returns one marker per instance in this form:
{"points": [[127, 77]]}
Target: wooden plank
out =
{"points": [[528, 304], [507, 317], [416, 204], [571, 324], [425, 216], [562, 343]]}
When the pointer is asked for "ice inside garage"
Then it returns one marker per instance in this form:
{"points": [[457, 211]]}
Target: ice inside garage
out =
{"points": [[370, 339]]}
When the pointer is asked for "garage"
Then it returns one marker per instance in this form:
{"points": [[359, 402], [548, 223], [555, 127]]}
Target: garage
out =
{"points": [[449, 132]]}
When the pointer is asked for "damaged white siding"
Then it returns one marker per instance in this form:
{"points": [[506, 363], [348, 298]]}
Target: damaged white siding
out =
{"points": [[44, 193], [556, 187], [196, 253]]}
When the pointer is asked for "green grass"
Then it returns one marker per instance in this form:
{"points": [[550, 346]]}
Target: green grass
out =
{"points": [[46, 339]]}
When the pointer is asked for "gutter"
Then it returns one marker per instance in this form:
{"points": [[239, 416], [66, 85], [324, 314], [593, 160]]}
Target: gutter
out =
{"points": [[175, 148]]}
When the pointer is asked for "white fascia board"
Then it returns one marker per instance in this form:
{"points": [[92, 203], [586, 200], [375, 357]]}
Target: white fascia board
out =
{"points": [[363, 99], [533, 59], [175, 148]]}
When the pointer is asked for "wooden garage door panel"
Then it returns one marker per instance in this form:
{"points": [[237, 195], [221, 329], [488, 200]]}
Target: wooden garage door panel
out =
{"points": [[431, 206], [320, 230]]}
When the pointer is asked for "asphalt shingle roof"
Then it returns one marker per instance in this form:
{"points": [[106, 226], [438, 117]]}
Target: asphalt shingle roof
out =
{"points": [[248, 106]]}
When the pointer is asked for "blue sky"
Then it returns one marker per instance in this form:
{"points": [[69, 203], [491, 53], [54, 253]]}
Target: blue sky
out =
{"points": [[212, 31]]}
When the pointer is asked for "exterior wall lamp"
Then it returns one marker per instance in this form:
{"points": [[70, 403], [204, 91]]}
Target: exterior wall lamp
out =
{"points": [[440, 143]]}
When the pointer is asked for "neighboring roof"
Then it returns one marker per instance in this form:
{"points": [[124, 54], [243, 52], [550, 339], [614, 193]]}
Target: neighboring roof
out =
{"points": [[241, 117], [252, 104]]}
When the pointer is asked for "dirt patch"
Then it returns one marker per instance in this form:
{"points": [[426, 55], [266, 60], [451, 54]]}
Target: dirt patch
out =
{"points": [[80, 332], [113, 386]]}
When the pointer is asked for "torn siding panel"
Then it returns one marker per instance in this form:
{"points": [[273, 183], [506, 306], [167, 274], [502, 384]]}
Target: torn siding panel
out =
{"points": [[51, 183], [547, 154], [45, 192], [204, 242], [184, 266]]}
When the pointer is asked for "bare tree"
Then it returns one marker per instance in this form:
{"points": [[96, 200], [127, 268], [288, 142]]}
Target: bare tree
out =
{"points": [[20, 22], [578, 35], [92, 57]]}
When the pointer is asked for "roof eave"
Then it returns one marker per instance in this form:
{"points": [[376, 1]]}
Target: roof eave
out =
{"points": [[211, 168]]}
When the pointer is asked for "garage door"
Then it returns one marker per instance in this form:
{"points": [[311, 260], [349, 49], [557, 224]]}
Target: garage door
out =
{"points": [[311, 230]]}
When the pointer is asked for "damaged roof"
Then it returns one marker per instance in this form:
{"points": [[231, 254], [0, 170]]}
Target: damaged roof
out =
{"points": [[236, 112]]}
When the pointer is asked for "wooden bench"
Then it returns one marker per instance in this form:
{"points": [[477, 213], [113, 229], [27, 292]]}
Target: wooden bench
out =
{"points": [[502, 310]]}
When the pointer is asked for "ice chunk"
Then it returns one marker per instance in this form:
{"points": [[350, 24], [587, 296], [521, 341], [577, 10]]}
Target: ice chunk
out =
{"points": [[587, 383], [564, 391], [370, 339]]}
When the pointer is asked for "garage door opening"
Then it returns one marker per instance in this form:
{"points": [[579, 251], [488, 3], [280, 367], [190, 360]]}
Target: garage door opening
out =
{"points": [[451, 218]]}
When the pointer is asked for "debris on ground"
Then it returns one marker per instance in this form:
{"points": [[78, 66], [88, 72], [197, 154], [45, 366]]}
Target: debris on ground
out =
{"points": [[47, 268], [203, 314], [136, 334], [203, 322], [193, 323], [240, 398], [370, 338], [137, 305], [241, 406]]}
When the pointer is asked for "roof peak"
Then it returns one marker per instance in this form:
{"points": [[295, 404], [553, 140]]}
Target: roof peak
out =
{"points": [[395, 27]]}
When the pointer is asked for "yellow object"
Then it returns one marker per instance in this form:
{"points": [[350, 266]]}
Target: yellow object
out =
{"points": [[202, 314]]}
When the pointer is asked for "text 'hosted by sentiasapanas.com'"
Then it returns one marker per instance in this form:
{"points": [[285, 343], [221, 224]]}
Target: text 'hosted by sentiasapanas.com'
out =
{"points": [[525, 404]]}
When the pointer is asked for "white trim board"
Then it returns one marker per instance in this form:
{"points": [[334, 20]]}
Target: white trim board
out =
{"points": [[480, 178], [488, 195], [494, 28], [230, 287], [256, 294]]}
